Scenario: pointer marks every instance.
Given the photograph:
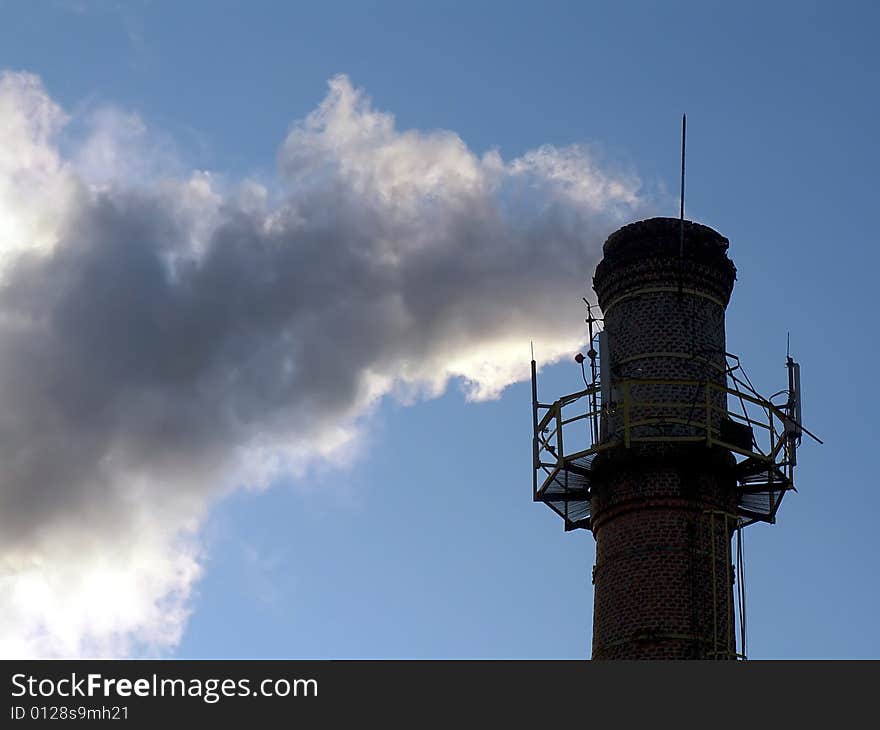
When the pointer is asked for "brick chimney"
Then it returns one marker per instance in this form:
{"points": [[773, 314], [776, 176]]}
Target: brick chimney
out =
{"points": [[663, 500]]}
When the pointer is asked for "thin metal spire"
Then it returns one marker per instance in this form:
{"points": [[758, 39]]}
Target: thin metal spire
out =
{"points": [[681, 214]]}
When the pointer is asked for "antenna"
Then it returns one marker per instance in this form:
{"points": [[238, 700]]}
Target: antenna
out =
{"points": [[536, 461], [681, 213], [591, 353], [793, 428], [681, 209]]}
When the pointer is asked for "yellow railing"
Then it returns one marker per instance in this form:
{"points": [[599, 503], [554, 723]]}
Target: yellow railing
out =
{"points": [[623, 421]]}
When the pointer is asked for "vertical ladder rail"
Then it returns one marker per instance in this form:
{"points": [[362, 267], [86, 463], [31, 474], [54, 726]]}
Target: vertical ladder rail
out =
{"points": [[714, 586], [728, 604]]}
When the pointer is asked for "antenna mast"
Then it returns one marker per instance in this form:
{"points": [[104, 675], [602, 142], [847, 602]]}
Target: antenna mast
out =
{"points": [[681, 213], [681, 210]]}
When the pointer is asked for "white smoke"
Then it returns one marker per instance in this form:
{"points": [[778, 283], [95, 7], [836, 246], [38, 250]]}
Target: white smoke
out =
{"points": [[165, 338]]}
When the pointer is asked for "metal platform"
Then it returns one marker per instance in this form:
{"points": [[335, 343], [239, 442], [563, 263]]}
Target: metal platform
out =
{"points": [[572, 431]]}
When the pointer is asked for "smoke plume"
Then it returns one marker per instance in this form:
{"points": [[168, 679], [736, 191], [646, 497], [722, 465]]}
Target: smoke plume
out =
{"points": [[168, 336]]}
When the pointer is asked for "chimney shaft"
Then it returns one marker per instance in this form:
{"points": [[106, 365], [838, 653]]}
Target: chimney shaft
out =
{"points": [[663, 511]]}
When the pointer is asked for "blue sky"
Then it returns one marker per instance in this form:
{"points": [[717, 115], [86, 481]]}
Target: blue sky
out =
{"points": [[423, 542]]}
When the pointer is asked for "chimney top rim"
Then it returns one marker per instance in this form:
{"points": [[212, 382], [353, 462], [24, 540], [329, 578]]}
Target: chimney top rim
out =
{"points": [[662, 227]]}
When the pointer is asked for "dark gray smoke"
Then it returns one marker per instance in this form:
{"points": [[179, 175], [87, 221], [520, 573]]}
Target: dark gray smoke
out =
{"points": [[164, 342]]}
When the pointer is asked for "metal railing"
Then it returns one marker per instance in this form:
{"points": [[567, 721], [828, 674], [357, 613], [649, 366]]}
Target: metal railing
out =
{"points": [[577, 418]]}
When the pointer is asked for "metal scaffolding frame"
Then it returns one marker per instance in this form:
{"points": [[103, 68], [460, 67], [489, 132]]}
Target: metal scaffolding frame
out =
{"points": [[764, 468]]}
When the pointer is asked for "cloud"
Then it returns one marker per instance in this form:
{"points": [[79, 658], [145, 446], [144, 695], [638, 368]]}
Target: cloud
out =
{"points": [[166, 338]]}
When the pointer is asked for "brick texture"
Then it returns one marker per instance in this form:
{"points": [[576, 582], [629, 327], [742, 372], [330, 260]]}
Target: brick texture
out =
{"points": [[663, 576]]}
